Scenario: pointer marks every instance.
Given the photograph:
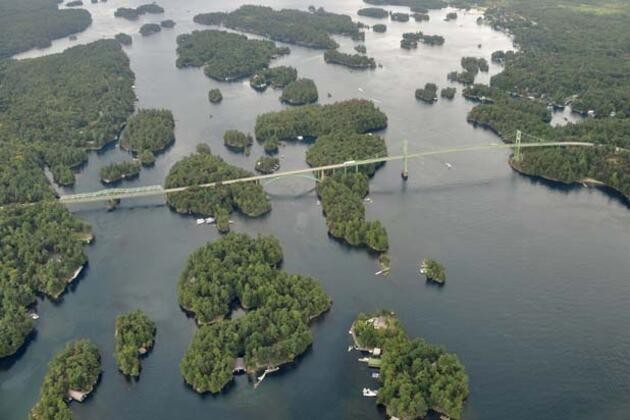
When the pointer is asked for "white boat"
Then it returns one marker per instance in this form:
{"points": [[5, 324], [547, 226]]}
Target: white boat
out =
{"points": [[360, 90], [367, 392], [34, 315], [349, 348], [376, 375], [201, 221], [319, 203], [209, 220], [448, 165], [300, 137], [364, 359]]}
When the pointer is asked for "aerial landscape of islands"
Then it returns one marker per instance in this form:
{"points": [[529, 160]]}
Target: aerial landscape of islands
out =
{"points": [[68, 114]]}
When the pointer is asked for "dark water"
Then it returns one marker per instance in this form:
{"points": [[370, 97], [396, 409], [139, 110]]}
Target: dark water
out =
{"points": [[538, 277]]}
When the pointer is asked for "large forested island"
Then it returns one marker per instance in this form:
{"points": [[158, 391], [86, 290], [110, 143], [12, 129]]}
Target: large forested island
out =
{"points": [[149, 131], [204, 167], [27, 24], [225, 56], [88, 95], [308, 29], [339, 147], [72, 374], [42, 251], [135, 335], [134, 14], [355, 115], [416, 376], [354, 61], [240, 270]]}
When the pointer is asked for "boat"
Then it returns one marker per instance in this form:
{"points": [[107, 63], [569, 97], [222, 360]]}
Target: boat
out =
{"points": [[350, 348], [201, 221], [209, 220], [319, 203], [376, 375], [300, 137], [448, 165], [33, 315], [360, 90], [364, 359], [367, 392]]}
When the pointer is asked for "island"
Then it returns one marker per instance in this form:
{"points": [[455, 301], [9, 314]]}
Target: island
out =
{"points": [[463, 77], [134, 336], [203, 167], [267, 164], [420, 17], [379, 28], [146, 157], [433, 270], [225, 56], [271, 145], [299, 92], [149, 29], [276, 77], [74, 3], [123, 39], [42, 253], [118, 171], [374, 12], [448, 92], [312, 121], [450, 16], [361, 48], [310, 29], [152, 130], [238, 270], [237, 141], [410, 40], [354, 61], [215, 96], [416, 377], [72, 374], [428, 94], [432, 39], [399, 17], [168, 23], [339, 147], [474, 65], [421, 6], [88, 102], [134, 14], [35, 23]]}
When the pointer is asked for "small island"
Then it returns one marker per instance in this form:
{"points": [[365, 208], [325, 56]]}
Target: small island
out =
{"points": [[146, 157], [433, 39], [116, 172], [420, 17], [204, 167], [399, 17], [168, 24], [428, 94], [379, 28], [474, 65], [463, 77], [225, 56], [448, 92], [374, 12], [215, 96], [74, 3], [450, 16], [238, 270], [300, 92], [361, 48], [149, 29], [410, 40], [149, 129], [134, 14], [72, 374], [416, 377], [135, 336], [267, 164], [354, 61], [433, 270], [276, 77], [123, 39], [237, 141]]}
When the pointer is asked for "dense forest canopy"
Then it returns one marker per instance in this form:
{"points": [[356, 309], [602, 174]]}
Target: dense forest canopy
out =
{"points": [[356, 115], [225, 56], [416, 376], [41, 247], [26, 24], [300, 92], [309, 29], [204, 167], [77, 368], [342, 147], [277, 77], [238, 269], [375, 12], [149, 129], [64, 103], [118, 171], [354, 61], [421, 6], [135, 335]]}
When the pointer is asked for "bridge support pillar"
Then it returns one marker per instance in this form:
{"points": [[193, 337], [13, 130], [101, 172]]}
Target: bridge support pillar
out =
{"points": [[517, 150], [405, 171]]}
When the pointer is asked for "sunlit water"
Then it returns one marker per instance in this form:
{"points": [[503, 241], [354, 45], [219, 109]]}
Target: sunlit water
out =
{"points": [[535, 303]]}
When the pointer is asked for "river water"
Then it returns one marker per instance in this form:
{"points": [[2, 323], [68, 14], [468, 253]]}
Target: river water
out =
{"points": [[535, 303]]}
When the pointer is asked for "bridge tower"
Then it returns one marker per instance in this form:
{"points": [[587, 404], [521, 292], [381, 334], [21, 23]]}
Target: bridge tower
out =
{"points": [[517, 150], [405, 171]]}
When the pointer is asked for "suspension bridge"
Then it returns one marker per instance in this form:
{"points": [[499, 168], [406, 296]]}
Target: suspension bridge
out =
{"points": [[314, 173]]}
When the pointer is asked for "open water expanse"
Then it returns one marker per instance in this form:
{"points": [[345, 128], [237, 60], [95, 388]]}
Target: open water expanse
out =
{"points": [[536, 301]]}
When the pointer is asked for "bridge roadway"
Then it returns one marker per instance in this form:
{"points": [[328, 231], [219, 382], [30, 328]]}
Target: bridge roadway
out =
{"points": [[155, 190]]}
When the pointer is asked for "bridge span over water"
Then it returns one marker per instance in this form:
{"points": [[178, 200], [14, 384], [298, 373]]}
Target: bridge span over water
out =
{"points": [[315, 172]]}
